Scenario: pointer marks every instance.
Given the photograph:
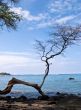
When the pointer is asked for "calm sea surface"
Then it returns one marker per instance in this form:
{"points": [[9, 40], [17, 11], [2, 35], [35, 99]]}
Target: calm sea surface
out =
{"points": [[53, 84]]}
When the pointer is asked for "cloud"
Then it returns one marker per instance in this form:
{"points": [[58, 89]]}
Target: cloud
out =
{"points": [[45, 24], [25, 63], [27, 15], [62, 5], [55, 6], [64, 20], [57, 12], [18, 63], [54, 21], [65, 65], [62, 12]]}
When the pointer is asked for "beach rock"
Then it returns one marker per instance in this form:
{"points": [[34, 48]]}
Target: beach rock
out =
{"points": [[8, 97], [58, 93], [43, 97], [22, 98], [71, 78], [2, 98], [58, 97], [52, 102], [54, 98]]}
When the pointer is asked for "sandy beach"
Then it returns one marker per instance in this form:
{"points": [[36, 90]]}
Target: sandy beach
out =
{"points": [[58, 102]]}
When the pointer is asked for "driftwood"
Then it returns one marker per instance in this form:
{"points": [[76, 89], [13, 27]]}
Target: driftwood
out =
{"points": [[14, 81]]}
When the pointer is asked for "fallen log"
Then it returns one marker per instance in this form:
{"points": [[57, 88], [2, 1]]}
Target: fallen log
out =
{"points": [[14, 81]]}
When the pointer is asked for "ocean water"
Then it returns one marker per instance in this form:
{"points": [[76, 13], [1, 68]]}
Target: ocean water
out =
{"points": [[53, 84]]}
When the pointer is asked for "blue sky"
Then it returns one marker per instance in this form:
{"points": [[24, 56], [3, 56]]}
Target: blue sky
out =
{"points": [[17, 52]]}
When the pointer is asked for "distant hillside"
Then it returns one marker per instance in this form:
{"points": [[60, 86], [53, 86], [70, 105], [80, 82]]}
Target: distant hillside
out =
{"points": [[4, 73]]}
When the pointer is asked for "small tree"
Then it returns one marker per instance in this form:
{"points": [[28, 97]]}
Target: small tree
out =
{"points": [[62, 38]]}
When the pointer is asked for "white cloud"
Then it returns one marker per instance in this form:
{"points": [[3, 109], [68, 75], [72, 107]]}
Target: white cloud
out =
{"points": [[57, 12], [18, 63], [64, 20], [61, 5], [25, 63], [42, 25], [45, 24], [51, 22], [27, 15]]}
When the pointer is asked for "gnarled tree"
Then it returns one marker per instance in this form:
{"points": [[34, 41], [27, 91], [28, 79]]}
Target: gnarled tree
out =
{"points": [[61, 38]]}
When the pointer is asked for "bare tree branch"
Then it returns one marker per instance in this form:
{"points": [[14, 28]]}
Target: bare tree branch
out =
{"points": [[14, 81], [62, 38]]}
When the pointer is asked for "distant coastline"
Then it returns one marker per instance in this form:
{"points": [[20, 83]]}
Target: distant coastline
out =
{"points": [[4, 73], [43, 74]]}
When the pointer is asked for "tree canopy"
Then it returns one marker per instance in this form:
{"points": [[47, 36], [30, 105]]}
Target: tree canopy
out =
{"points": [[8, 18]]}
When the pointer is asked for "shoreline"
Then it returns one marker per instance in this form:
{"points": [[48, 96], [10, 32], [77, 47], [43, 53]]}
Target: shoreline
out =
{"points": [[29, 95], [61, 101]]}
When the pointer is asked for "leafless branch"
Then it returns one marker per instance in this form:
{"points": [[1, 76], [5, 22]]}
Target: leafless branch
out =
{"points": [[14, 81], [61, 38]]}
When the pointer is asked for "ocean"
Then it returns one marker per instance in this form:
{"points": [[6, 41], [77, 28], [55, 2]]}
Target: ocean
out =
{"points": [[53, 84]]}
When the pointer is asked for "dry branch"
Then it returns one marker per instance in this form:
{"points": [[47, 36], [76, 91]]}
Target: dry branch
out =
{"points": [[14, 81], [62, 38]]}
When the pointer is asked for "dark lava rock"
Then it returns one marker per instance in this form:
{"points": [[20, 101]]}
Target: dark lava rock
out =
{"points": [[2, 98], [50, 103], [43, 97], [71, 78], [8, 97], [54, 98], [58, 93], [21, 99]]}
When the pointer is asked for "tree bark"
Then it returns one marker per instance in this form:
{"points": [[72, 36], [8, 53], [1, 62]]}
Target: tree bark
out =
{"points": [[46, 72], [14, 81]]}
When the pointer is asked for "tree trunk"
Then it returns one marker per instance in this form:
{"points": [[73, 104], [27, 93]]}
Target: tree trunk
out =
{"points": [[46, 72], [14, 81]]}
